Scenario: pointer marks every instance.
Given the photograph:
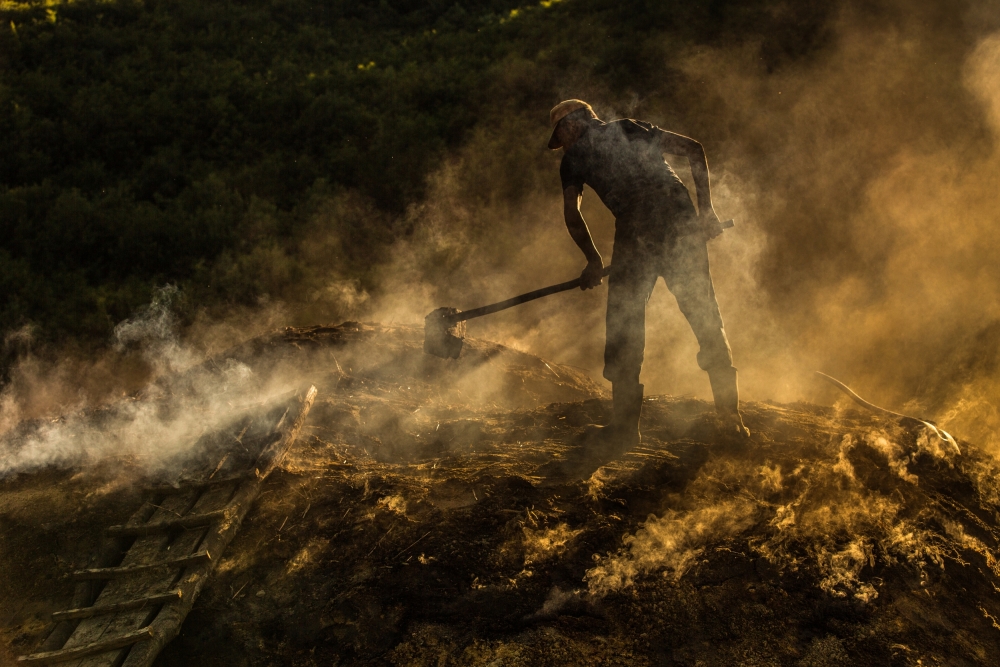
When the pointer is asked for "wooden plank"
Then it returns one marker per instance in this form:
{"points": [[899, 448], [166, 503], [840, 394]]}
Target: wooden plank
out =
{"points": [[122, 571], [167, 623], [92, 630], [273, 454], [86, 592], [186, 521], [67, 654], [157, 580], [98, 610]]}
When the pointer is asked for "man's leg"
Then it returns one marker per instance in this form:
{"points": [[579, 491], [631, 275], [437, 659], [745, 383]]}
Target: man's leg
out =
{"points": [[629, 286], [687, 273]]}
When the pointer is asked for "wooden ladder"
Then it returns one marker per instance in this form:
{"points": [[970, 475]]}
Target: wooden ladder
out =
{"points": [[143, 583]]}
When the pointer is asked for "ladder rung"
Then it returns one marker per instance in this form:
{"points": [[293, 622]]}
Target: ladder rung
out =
{"points": [[166, 525], [114, 572], [66, 654], [100, 610]]}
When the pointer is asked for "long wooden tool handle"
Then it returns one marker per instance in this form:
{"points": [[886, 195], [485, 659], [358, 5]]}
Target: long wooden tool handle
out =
{"points": [[517, 300], [531, 296]]}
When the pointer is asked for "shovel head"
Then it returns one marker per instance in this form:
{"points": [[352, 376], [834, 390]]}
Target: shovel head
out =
{"points": [[443, 338]]}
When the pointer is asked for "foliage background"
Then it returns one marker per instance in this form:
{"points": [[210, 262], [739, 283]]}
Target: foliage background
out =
{"points": [[192, 142]]}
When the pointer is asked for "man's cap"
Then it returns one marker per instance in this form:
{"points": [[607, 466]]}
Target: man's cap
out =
{"points": [[560, 111]]}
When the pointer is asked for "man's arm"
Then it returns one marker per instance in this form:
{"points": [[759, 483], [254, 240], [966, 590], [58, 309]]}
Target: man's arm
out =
{"points": [[577, 226], [677, 144]]}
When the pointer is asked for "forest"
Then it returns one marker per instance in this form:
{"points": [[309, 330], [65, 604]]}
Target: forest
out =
{"points": [[190, 143]]}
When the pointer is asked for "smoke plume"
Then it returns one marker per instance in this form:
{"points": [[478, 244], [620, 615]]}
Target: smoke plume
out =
{"points": [[147, 433], [862, 179]]}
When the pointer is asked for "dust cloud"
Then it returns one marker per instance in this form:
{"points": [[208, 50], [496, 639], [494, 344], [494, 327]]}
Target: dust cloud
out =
{"points": [[862, 179], [831, 522], [876, 263]]}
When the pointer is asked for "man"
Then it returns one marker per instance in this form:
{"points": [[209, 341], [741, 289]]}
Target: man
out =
{"points": [[657, 233]]}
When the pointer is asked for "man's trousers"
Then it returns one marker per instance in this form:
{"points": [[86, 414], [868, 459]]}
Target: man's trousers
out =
{"points": [[683, 263]]}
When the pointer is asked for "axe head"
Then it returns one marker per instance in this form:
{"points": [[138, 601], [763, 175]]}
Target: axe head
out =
{"points": [[442, 337]]}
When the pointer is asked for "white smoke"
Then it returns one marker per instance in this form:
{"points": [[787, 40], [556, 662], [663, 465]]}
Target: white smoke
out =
{"points": [[151, 433]]}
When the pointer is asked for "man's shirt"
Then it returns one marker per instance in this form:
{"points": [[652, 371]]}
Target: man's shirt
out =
{"points": [[623, 164]]}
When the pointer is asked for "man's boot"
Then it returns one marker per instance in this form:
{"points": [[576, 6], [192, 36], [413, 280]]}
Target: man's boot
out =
{"points": [[725, 389], [624, 428], [602, 444]]}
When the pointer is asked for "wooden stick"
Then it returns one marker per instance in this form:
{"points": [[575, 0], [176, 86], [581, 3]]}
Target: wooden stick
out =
{"points": [[271, 456], [536, 294], [517, 300], [189, 521], [66, 654], [191, 484], [113, 572], [98, 610], [940, 433]]}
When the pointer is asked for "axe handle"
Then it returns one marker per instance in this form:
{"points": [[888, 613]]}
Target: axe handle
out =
{"points": [[531, 296], [517, 300]]}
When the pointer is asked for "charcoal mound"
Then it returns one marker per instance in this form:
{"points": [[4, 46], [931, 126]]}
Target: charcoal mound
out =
{"points": [[390, 360], [414, 523]]}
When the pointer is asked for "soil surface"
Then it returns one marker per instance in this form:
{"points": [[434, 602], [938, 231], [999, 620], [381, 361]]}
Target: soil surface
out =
{"points": [[427, 516]]}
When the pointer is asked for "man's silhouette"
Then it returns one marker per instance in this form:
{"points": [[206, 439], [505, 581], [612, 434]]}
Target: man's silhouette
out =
{"points": [[657, 233]]}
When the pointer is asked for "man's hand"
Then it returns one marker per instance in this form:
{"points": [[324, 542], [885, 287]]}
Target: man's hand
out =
{"points": [[710, 223], [592, 275]]}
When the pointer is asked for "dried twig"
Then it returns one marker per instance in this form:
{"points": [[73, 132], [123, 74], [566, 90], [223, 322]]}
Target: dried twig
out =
{"points": [[241, 589], [412, 545], [380, 541]]}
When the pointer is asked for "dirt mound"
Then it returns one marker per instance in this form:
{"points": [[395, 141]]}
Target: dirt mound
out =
{"points": [[414, 523], [389, 361]]}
